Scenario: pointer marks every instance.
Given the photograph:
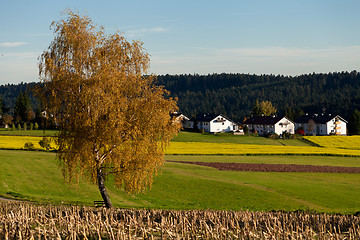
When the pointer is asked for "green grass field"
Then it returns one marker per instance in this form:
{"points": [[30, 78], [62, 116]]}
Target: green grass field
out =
{"points": [[35, 176], [208, 148], [272, 159], [182, 136], [34, 133], [185, 136]]}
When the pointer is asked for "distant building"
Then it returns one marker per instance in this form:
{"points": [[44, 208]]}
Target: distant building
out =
{"points": [[321, 124], [214, 123], [270, 124], [184, 120]]}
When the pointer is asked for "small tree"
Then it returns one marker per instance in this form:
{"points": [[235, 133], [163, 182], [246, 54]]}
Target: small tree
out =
{"points": [[22, 109], [256, 111], [30, 115], [36, 126], [267, 109], [311, 127], [246, 129], [112, 118], [263, 108], [354, 123], [7, 119], [1, 106], [29, 146], [45, 143]]}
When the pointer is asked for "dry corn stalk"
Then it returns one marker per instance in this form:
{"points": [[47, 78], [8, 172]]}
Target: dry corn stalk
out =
{"points": [[29, 221]]}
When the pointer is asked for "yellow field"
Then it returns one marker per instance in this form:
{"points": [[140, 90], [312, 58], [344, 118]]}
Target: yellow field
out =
{"points": [[344, 142], [203, 148], [18, 142], [331, 145]]}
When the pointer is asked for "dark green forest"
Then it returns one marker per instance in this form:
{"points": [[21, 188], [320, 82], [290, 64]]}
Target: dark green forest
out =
{"points": [[10, 92], [234, 95]]}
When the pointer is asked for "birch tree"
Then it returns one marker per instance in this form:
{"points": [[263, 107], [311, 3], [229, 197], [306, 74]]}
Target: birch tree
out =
{"points": [[113, 119]]}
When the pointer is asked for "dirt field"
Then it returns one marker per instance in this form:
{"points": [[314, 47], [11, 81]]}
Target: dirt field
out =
{"points": [[274, 167]]}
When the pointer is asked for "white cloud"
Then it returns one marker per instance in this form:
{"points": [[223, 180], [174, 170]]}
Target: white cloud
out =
{"points": [[143, 31], [278, 52], [267, 60], [21, 55], [18, 70], [18, 67], [157, 29], [12, 44]]}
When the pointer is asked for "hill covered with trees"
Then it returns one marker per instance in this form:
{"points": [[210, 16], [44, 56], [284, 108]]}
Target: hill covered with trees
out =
{"points": [[235, 95], [10, 92]]}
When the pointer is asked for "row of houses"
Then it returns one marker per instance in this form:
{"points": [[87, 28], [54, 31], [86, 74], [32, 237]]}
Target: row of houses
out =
{"points": [[323, 124]]}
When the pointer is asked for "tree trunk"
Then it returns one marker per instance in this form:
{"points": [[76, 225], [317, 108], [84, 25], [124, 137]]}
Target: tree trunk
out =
{"points": [[103, 192]]}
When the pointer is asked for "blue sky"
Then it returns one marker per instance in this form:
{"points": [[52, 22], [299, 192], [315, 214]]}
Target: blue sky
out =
{"points": [[288, 37]]}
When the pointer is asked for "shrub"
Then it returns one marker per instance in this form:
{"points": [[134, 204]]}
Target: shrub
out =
{"points": [[31, 126], [246, 129], [45, 143], [29, 146], [25, 126], [286, 135], [273, 136], [36, 126], [18, 126]]}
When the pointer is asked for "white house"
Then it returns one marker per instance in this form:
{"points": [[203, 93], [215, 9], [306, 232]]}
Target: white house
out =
{"points": [[321, 124], [270, 124], [213, 123], [185, 121]]}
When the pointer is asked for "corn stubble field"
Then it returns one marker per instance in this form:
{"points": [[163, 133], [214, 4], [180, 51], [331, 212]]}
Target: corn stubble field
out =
{"points": [[29, 221]]}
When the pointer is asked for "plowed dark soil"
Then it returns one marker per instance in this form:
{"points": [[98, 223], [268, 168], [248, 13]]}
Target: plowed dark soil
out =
{"points": [[254, 167]]}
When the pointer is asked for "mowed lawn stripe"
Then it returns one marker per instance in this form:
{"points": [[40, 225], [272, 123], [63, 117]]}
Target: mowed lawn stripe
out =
{"points": [[205, 148], [301, 203], [271, 159], [322, 192]]}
